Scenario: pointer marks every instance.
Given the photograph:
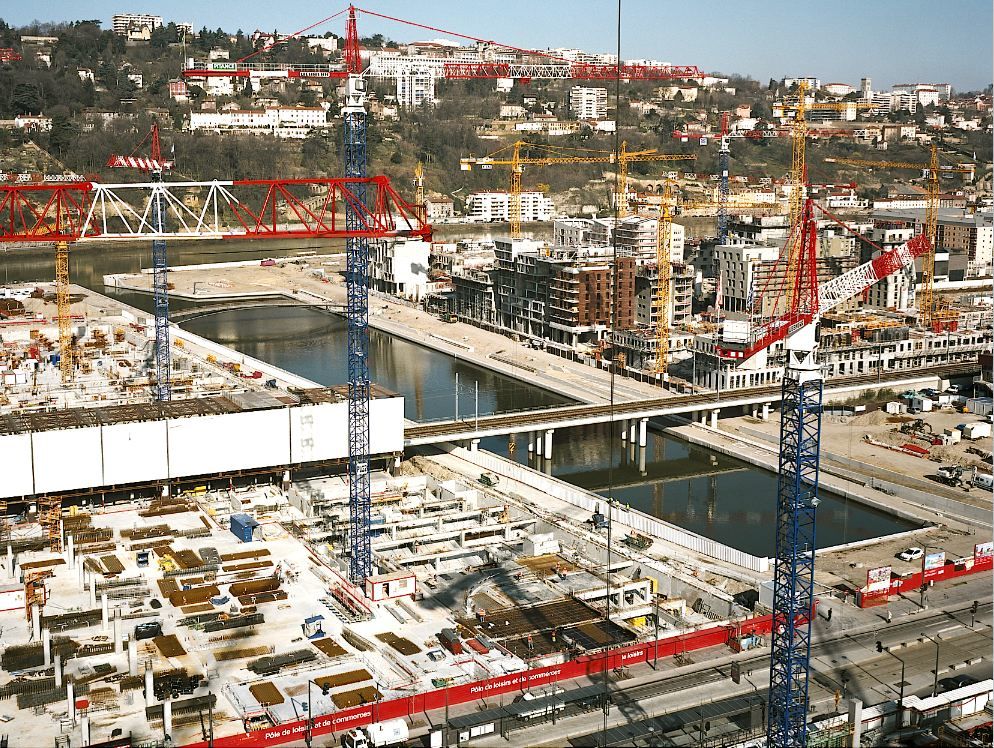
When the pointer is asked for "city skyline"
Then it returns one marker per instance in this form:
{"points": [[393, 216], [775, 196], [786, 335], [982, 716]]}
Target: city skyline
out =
{"points": [[843, 43]]}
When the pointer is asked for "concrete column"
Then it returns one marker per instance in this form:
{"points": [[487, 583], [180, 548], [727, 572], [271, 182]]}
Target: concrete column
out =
{"points": [[93, 592], [755, 412], [46, 645], [84, 730], [643, 428], [632, 428], [167, 717], [36, 621], [704, 417], [58, 671], [10, 561], [396, 462], [714, 418], [71, 701], [531, 441], [856, 720], [149, 687], [766, 411], [642, 452], [548, 444], [117, 631], [474, 445], [104, 611], [70, 553], [132, 656], [624, 430]]}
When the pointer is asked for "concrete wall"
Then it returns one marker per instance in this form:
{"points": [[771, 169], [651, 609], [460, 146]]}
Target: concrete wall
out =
{"points": [[152, 451]]}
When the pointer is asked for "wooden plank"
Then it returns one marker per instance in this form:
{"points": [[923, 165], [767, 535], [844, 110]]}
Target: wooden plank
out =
{"points": [[266, 693]]}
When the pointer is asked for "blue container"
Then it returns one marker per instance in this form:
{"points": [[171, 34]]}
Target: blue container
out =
{"points": [[242, 527]]}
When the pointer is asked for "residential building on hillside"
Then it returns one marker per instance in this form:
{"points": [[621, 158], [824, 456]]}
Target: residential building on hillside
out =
{"points": [[495, 206], [415, 88], [588, 103], [282, 122], [135, 25]]}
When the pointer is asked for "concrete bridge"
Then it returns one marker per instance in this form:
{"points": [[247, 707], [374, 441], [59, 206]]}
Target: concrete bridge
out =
{"points": [[204, 310], [540, 423]]}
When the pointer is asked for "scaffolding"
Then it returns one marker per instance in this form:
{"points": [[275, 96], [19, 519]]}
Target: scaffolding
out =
{"points": [[50, 519]]}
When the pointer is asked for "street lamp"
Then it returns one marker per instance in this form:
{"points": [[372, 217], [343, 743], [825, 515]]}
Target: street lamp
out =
{"points": [[900, 701], [935, 679]]}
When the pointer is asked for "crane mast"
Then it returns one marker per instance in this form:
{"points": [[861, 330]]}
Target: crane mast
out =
{"points": [[357, 310]]}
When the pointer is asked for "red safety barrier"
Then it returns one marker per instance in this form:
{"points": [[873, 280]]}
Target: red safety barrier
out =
{"points": [[438, 699], [913, 582]]}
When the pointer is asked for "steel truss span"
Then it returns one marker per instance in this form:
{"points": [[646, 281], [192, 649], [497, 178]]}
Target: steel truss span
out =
{"points": [[797, 494], [239, 209]]}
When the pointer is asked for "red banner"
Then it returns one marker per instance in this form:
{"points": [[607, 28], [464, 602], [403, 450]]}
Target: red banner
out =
{"points": [[437, 699]]}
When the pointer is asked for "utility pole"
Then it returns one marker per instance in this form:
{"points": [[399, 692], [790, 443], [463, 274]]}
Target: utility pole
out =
{"points": [[900, 700], [935, 677]]}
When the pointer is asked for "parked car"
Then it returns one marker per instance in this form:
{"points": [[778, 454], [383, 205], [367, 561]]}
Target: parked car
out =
{"points": [[911, 554], [953, 389], [930, 392]]}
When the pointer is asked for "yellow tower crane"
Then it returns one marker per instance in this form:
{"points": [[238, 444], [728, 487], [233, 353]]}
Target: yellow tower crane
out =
{"points": [[798, 178], [928, 312], [559, 155], [419, 185], [62, 302], [665, 208]]}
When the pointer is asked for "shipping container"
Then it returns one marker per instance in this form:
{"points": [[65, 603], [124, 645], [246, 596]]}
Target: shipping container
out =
{"points": [[243, 527]]}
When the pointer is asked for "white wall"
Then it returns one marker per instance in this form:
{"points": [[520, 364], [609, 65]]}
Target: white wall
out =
{"points": [[15, 456], [233, 441], [146, 452], [134, 452], [68, 459]]}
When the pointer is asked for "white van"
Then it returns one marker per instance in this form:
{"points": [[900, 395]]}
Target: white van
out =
{"points": [[983, 481]]}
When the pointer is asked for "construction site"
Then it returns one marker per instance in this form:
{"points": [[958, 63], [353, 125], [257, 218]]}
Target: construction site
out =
{"points": [[200, 548]]}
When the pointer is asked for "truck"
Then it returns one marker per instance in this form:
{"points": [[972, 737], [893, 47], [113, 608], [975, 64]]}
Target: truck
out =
{"points": [[978, 430], [951, 475], [377, 735]]}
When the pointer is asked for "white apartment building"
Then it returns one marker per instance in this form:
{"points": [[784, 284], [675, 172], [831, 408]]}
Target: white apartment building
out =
{"points": [[813, 83], [495, 206], [927, 93], [896, 291], [839, 89], [737, 265], [127, 24], [400, 267], [414, 88], [588, 103], [282, 122], [640, 237]]}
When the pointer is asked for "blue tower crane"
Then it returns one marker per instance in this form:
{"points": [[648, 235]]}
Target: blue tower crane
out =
{"points": [[797, 500], [357, 311]]}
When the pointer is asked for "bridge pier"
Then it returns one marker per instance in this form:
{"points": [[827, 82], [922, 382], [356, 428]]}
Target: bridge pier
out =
{"points": [[632, 426], [548, 443], [474, 445], [643, 428], [531, 441], [704, 417], [766, 411], [624, 430], [714, 418], [642, 451]]}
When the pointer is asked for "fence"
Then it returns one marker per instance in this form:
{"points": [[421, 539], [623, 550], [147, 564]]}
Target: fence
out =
{"points": [[634, 519], [422, 702]]}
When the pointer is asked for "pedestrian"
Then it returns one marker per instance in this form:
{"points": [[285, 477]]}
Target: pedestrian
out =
{"points": [[888, 616]]}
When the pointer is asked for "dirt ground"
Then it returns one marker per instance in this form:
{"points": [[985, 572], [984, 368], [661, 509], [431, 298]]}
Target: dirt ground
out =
{"points": [[845, 436]]}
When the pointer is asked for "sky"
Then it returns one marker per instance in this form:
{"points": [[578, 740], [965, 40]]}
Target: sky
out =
{"points": [[890, 41]]}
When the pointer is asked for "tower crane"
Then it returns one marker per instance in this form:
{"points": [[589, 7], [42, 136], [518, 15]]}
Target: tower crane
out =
{"points": [[155, 165], [929, 315], [357, 309], [420, 203], [798, 174], [797, 485], [559, 155]]}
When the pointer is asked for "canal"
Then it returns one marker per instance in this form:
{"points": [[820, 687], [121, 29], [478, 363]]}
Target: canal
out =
{"points": [[688, 486]]}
